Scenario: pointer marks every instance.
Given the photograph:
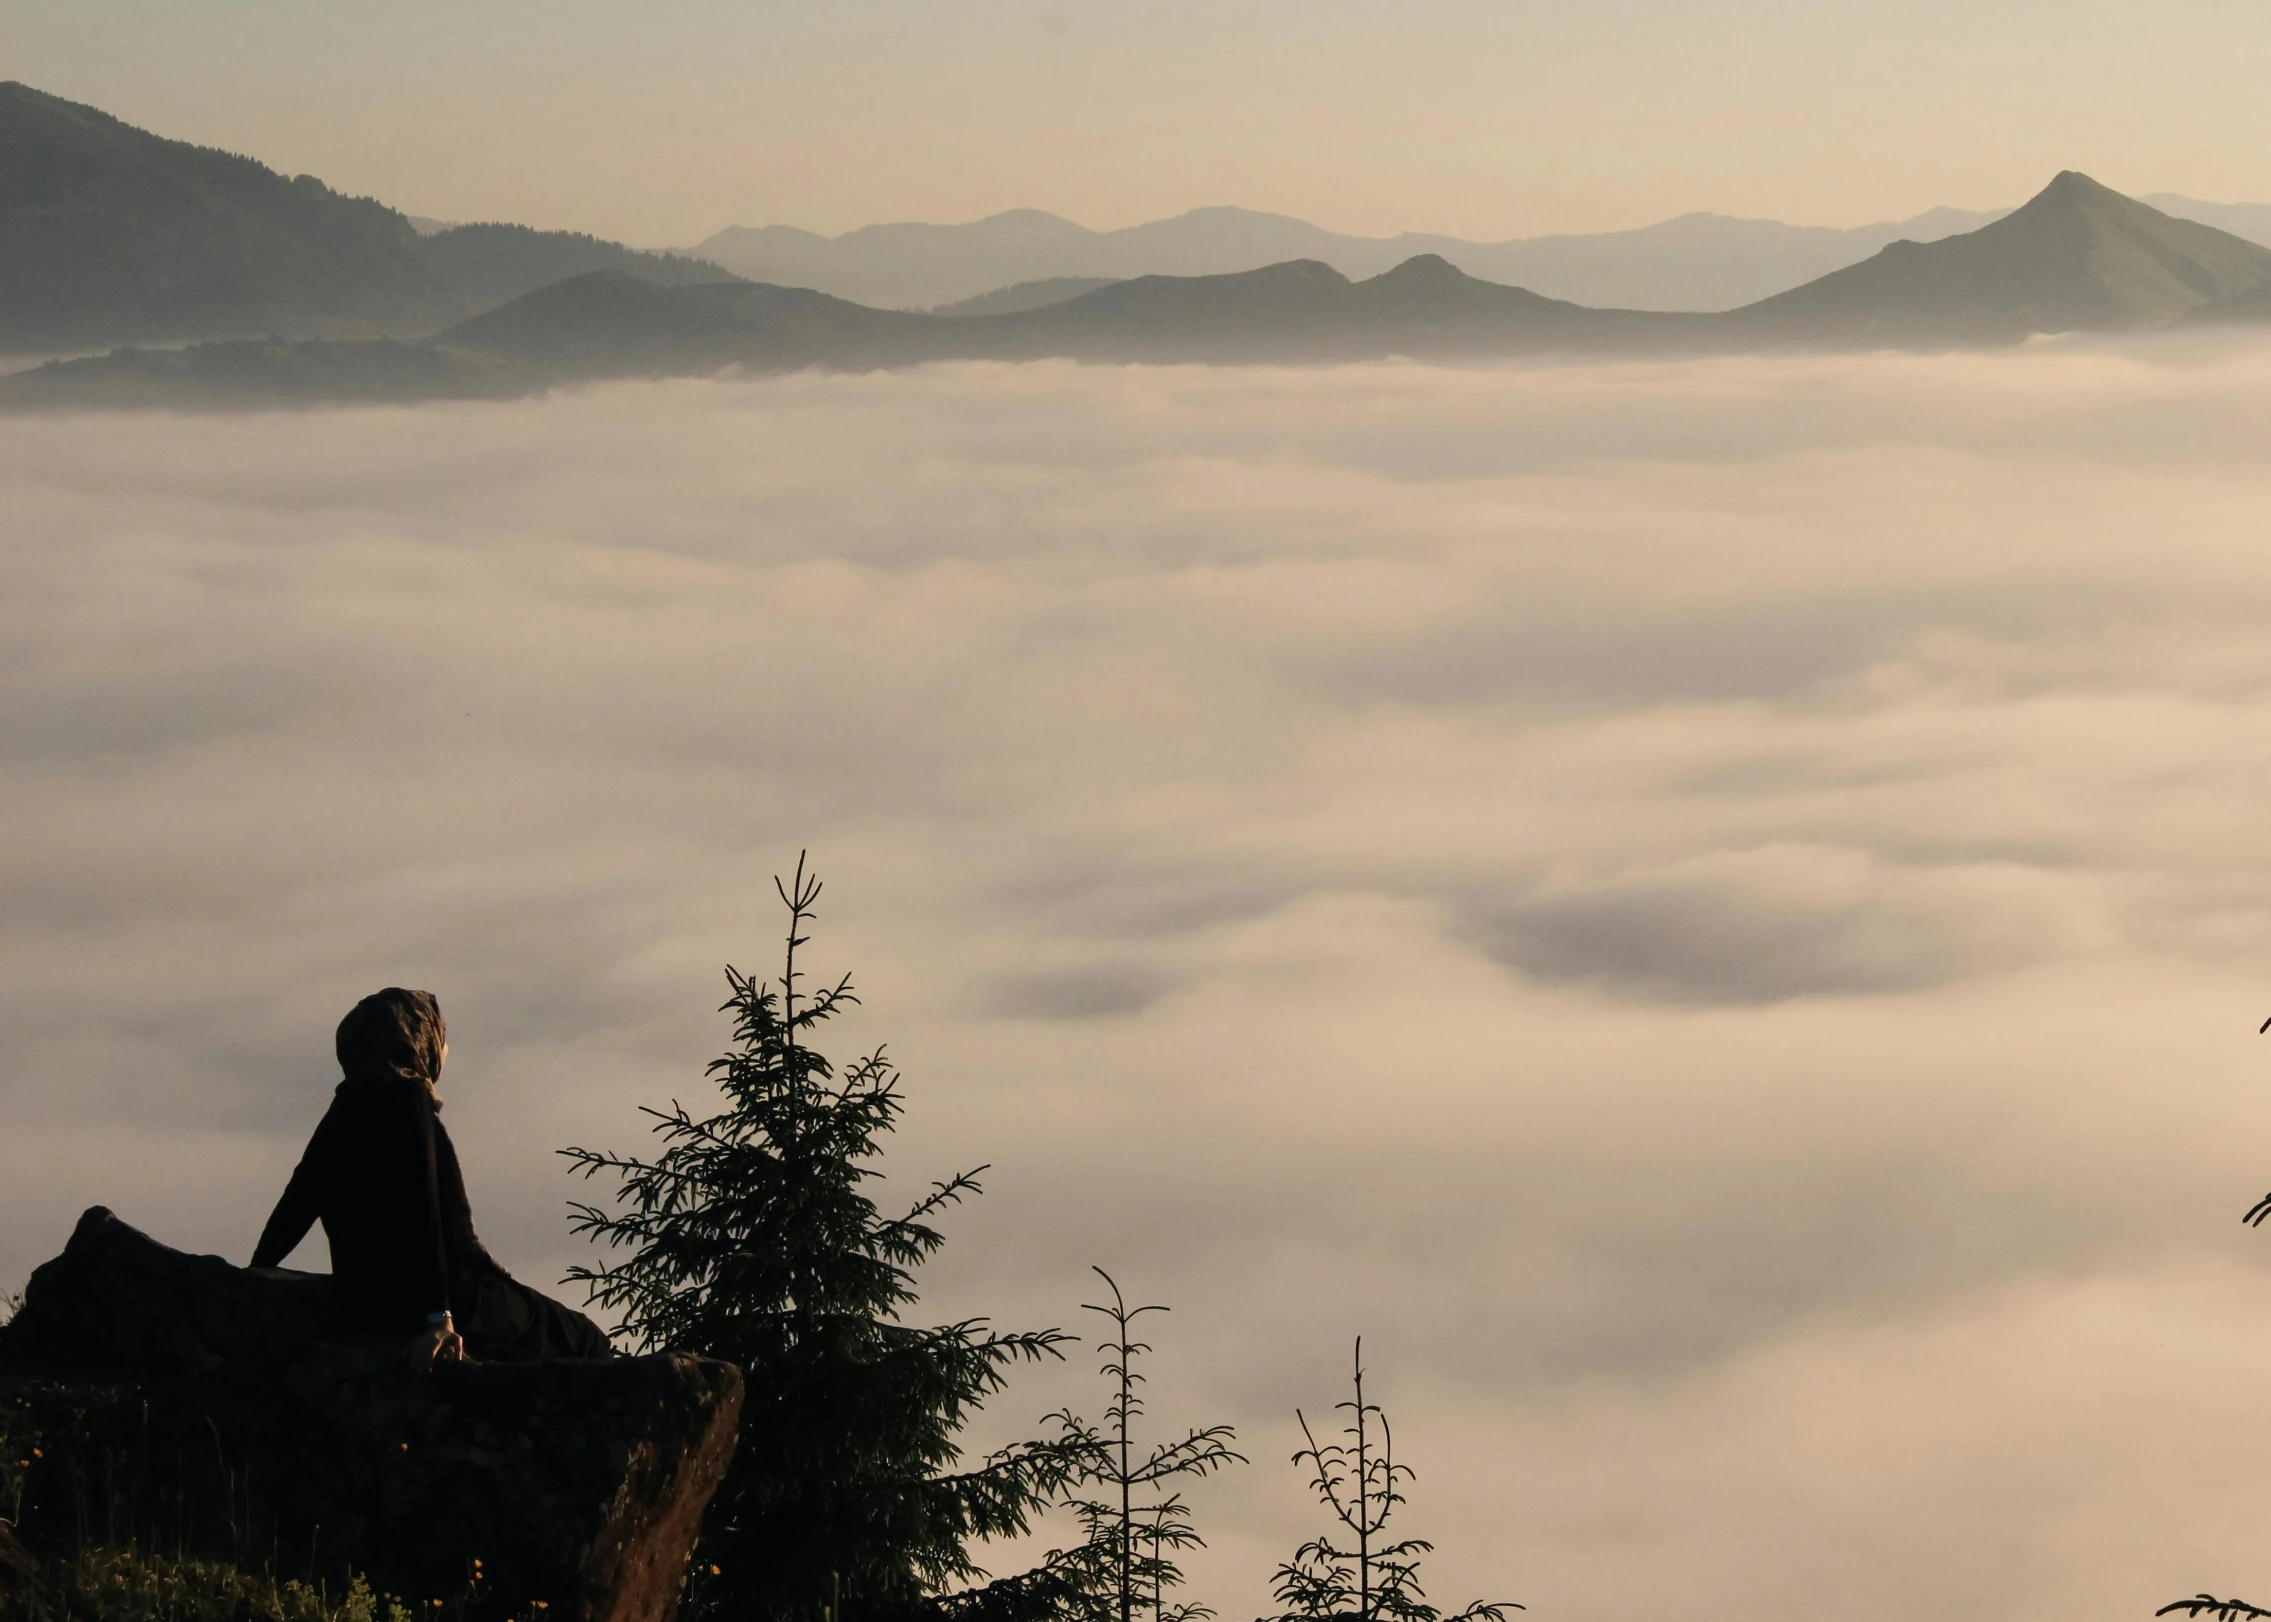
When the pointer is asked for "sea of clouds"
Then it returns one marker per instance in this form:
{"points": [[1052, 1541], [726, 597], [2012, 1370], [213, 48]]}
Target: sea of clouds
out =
{"points": [[1716, 913]]}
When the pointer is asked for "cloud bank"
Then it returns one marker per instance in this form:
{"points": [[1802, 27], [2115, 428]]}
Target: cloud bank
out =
{"points": [[1715, 912]]}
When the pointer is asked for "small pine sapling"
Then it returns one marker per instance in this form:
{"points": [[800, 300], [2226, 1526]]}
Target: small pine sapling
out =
{"points": [[1137, 1523], [1377, 1580]]}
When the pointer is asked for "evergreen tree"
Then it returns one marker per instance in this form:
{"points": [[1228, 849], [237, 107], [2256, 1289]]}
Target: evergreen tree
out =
{"points": [[1126, 1564], [752, 1237], [1377, 1580]]}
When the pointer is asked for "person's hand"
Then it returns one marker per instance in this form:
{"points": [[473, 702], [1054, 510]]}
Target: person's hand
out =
{"points": [[439, 1344]]}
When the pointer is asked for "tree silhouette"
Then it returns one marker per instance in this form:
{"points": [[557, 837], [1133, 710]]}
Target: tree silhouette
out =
{"points": [[1132, 1530], [751, 1237], [1378, 1579]]}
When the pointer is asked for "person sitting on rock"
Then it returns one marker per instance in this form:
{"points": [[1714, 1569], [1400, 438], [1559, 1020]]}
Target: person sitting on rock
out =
{"points": [[382, 1177]]}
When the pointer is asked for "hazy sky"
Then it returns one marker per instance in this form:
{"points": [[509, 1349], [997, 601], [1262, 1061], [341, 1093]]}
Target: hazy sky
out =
{"points": [[1716, 912], [661, 122]]}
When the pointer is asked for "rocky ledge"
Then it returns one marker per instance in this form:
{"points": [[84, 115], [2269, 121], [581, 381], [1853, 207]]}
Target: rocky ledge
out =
{"points": [[571, 1489]]}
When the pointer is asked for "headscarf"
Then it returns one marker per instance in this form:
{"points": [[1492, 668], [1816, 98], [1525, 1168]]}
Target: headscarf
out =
{"points": [[393, 1033]]}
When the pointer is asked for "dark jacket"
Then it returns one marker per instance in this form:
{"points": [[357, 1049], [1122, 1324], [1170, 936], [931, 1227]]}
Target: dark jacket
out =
{"points": [[382, 1177]]}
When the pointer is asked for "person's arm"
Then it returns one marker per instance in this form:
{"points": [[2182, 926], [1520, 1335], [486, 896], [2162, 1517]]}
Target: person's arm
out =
{"points": [[467, 1254], [296, 1212], [440, 1341]]}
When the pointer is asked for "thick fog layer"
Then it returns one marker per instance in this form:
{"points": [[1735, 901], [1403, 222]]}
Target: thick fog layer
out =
{"points": [[1715, 913]]}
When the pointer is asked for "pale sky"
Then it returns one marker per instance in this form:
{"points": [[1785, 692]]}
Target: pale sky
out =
{"points": [[658, 123]]}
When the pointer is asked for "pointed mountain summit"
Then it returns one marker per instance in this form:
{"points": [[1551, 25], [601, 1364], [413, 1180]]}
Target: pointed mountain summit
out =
{"points": [[2079, 257]]}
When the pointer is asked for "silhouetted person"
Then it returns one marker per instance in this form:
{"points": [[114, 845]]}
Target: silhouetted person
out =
{"points": [[382, 1177]]}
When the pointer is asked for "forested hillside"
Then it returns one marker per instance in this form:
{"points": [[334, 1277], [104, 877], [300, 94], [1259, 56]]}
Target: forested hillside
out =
{"points": [[112, 235]]}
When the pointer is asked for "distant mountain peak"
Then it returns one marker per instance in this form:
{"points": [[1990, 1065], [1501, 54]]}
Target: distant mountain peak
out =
{"points": [[2073, 199], [1307, 270], [1425, 269], [1025, 216], [1233, 211], [2077, 256], [2070, 188]]}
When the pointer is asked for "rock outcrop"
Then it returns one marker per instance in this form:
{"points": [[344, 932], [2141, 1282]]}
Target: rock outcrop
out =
{"points": [[578, 1487]]}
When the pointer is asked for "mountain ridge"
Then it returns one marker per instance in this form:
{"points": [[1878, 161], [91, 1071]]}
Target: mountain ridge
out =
{"points": [[2077, 257], [109, 233], [1696, 260]]}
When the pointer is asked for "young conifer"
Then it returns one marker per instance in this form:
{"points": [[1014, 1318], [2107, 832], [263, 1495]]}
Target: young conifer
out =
{"points": [[1366, 1576], [752, 1237], [1127, 1561]]}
